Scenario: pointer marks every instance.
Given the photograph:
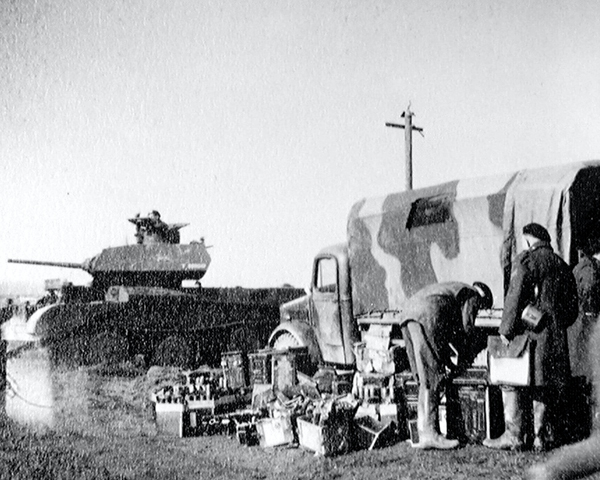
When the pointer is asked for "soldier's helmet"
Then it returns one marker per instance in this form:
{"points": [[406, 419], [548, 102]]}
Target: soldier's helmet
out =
{"points": [[486, 296]]}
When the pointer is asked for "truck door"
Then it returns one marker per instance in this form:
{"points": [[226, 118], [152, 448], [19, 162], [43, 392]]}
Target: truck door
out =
{"points": [[326, 309]]}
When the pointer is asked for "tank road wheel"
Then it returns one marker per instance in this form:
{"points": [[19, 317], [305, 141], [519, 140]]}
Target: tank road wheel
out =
{"points": [[107, 348], [284, 341], [173, 351], [68, 351]]}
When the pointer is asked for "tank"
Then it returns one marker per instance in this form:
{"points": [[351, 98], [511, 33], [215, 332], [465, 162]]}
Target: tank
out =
{"points": [[158, 259], [139, 305]]}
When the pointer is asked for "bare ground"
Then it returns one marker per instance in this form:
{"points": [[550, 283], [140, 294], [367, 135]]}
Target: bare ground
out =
{"points": [[103, 427]]}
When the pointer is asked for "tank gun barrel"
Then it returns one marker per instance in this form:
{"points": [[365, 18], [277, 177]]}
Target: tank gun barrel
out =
{"points": [[49, 264]]}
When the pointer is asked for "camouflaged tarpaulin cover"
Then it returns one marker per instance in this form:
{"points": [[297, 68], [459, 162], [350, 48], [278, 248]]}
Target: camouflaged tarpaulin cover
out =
{"points": [[465, 230]]}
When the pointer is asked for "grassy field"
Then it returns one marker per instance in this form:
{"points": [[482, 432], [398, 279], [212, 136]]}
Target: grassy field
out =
{"points": [[74, 455], [103, 427]]}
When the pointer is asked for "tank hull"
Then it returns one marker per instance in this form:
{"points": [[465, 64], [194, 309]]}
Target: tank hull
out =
{"points": [[163, 327]]}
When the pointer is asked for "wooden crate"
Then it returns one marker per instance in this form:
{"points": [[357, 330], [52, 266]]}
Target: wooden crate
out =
{"points": [[286, 364], [235, 370], [389, 413], [384, 360], [273, 432], [260, 363], [327, 440], [201, 407], [374, 387], [476, 407], [370, 433], [171, 419], [246, 433]]}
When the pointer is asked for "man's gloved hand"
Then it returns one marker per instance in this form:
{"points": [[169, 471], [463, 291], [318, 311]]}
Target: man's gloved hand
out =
{"points": [[505, 341]]}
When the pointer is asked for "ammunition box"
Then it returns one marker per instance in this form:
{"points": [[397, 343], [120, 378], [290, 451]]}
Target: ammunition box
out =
{"points": [[235, 370], [286, 364], [260, 366]]}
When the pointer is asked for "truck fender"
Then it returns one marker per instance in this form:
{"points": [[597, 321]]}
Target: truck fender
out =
{"points": [[304, 335]]}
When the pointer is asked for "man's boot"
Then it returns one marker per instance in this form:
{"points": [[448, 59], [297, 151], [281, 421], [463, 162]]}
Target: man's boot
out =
{"points": [[512, 438], [541, 429], [428, 423]]}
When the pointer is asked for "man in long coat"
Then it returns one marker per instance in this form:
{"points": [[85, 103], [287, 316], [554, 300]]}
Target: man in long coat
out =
{"points": [[587, 276], [541, 278], [433, 319]]}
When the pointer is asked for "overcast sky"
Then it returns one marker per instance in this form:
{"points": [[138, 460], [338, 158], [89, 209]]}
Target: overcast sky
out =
{"points": [[261, 122]]}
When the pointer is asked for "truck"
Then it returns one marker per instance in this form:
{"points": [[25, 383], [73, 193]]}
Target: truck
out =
{"points": [[146, 302], [464, 230]]}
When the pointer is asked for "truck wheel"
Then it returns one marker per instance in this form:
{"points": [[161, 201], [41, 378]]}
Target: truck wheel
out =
{"points": [[284, 341]]}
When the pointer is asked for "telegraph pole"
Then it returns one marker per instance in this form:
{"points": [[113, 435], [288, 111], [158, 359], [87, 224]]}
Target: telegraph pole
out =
{"points": [[3, 346], [408, 128]]}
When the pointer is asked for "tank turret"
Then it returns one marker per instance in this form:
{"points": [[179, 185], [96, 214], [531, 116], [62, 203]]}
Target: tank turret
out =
{"points": [[157, 259]]}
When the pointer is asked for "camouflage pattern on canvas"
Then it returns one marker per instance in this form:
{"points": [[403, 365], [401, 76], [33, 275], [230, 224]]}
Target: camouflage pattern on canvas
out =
{"points": [[467, 230]]}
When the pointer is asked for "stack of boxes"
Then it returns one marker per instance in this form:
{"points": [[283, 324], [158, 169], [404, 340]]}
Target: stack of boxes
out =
{"points": [[260, 366], [376, 364], [377, 361], [178, 407], [327, 428], [274, 372], [191, 408], [285, 366]]}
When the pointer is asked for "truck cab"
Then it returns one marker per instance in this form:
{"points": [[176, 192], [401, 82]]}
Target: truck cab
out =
{"points": [[322, 319]]}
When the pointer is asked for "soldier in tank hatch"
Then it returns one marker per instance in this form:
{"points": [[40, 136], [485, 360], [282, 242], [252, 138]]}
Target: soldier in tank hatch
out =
{"points": [[151, 229], [434, 319], [156, 226]]}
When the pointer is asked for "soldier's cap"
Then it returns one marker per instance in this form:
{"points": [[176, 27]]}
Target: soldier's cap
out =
{"points": [[154, 212], [487, 297], [537, 231]]}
